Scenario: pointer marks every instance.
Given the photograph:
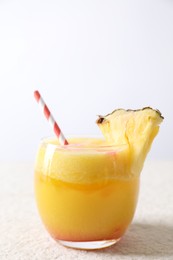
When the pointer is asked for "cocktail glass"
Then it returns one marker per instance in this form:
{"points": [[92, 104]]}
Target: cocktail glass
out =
{"points": [[83, 198]]}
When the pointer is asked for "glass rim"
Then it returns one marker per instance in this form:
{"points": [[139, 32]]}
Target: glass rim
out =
{"points": [[48, 141]]}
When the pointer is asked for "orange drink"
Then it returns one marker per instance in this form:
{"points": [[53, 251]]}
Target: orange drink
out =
{"points": [[83, 197], [87, 189]]}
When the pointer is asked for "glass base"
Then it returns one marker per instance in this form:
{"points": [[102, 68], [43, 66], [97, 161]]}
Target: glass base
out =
{"points": [[89, 245]]}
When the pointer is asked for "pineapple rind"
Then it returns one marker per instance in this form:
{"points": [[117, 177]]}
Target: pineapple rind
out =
{"points": [[102, 118]]}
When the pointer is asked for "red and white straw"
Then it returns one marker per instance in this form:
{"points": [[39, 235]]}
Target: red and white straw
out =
{"points": [[50, 118]]}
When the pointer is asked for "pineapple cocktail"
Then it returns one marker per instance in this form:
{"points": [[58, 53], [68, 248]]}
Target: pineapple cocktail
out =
{"points": [[87, 191]]}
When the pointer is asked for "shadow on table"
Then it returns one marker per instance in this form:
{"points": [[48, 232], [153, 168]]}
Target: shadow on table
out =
{"points": [[145, 239]]}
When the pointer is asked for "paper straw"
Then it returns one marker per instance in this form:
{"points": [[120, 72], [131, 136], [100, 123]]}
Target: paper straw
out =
{"points": [[50, 118]]}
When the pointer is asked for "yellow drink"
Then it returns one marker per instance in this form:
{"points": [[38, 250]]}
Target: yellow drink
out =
{"points": [[83, 198]]}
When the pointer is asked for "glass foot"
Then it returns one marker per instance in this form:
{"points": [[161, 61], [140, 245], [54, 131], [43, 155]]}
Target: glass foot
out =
{"points": [[90, 245]]}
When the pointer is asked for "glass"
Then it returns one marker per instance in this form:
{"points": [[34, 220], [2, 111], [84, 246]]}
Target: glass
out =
{"points": [[83, 200]]}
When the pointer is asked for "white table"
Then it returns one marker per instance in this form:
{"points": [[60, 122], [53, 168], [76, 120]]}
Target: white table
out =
{"points": [[22, 235]]}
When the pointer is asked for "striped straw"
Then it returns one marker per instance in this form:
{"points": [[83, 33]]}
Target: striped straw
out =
{"points": [[50, 118]]}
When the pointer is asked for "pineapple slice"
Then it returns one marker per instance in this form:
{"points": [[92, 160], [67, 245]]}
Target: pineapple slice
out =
{"points": [[136, 128]]}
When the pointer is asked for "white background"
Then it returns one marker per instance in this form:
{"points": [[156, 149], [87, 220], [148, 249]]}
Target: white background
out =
{"points": [[86, 58]]}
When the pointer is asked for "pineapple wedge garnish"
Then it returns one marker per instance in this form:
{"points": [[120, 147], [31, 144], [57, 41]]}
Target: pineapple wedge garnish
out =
{"points": [[135, 128]]}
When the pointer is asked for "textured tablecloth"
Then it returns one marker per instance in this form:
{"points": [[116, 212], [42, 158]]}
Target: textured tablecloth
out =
{"points": [[22, 235]]}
